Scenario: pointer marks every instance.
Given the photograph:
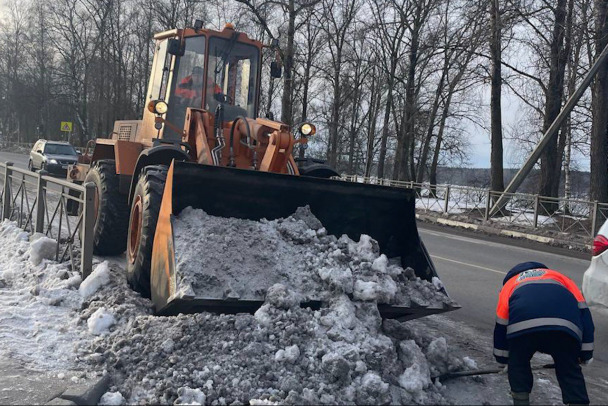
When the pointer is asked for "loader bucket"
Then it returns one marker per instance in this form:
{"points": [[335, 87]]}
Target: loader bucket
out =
{"points": [[384, 213]]}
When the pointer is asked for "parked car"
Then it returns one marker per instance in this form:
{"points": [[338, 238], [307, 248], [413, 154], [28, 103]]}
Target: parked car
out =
{"points": [[595, 279], [52, 156]]}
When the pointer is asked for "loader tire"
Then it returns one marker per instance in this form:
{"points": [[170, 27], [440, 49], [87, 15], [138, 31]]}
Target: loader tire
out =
{"points": [[111, 210], [145, 206]]}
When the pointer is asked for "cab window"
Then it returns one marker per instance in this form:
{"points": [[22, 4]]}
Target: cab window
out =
{"points": [[187, 83], [232, 78]]}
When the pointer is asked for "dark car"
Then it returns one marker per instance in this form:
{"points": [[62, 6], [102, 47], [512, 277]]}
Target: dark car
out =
{"points": [[52, 156]]}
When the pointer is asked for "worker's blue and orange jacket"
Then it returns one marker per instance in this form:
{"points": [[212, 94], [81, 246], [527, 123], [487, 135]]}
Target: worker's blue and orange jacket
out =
{"points": [[534, 298], [186, 90]]}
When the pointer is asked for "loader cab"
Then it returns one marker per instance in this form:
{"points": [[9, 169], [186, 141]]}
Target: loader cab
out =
{"points": [[211, 68]]}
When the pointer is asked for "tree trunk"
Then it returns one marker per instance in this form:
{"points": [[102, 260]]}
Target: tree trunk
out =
{"points": [[287, 99], [386, 121], [407, 134], [375, 99], [496, 159], [550, 160], [599, 131], [424, 155]]}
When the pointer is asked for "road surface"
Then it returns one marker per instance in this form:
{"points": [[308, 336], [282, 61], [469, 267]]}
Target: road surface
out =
{"points": [[19, 160], [472, 268]]}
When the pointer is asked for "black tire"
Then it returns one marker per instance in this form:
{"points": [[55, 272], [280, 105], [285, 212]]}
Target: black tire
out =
{"points": [[112, 217], [30, 166], [145, 206]]}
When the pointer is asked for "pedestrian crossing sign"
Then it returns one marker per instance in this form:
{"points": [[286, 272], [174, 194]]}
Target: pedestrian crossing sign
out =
{"points": [[66, 126]]}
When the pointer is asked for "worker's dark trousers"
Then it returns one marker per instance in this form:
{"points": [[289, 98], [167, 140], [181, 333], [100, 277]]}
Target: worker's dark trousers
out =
{"points": [[565, 351]]}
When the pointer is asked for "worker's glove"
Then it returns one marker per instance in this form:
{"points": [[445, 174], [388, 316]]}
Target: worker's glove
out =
{"points": [[585, 362]]}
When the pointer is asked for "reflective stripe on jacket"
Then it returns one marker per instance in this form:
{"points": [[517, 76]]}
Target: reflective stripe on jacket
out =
{"points": [[541, 300]]}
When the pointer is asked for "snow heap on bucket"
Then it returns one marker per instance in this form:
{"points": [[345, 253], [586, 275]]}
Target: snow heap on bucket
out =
{"points": [[229, 258]]}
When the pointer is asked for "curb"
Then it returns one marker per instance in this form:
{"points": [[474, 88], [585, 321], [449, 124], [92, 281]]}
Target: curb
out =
{"points": [[505, 233], [83, 394]]}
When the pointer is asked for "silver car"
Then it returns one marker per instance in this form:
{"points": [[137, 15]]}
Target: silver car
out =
{"points": [[52, 156], [595, 279]]}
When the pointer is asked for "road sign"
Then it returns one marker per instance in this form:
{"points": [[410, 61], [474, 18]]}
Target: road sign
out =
{"points": [[66, 126]]}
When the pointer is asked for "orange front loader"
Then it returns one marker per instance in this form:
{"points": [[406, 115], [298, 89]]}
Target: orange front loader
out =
{"points": [[201, 144]]}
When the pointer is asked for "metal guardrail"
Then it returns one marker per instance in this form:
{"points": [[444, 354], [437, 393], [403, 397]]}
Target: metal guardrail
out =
{"points": [[59, 209], [574, 217]]}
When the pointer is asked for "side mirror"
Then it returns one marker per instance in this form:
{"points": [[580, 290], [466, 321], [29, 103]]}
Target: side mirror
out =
{"points": [[39, 151], [174, 47], [275, 70]]}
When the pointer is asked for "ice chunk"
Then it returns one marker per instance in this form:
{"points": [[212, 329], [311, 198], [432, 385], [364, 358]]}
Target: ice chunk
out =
{"points": [[98, 278], [380, 264], [279, 296], [100, 321], [42, 248], [382, 291], [365, 290], [469, 363], [339, 278], [167, 346], [112, 399], [189, 396], [262, 402], [367, 248], [414, 379], [437, 283], [417, 375], [289, 354]]}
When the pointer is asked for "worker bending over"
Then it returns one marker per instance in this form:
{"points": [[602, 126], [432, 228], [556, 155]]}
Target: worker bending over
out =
{"points": [[542, 310]]}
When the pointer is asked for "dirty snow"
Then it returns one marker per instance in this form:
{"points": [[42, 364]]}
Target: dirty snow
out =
{"points": [[240, 259], [283, 354]]}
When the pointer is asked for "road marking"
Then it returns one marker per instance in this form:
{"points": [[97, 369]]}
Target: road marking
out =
{"points": [[467, 264], [500, 245]]}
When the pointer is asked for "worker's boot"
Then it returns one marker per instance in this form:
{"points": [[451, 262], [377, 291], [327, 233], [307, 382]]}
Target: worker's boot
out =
{"points": [[520, 398]]}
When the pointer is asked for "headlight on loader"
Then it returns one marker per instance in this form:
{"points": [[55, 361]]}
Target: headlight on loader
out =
{"points": [[307, 129], [158, 107]]}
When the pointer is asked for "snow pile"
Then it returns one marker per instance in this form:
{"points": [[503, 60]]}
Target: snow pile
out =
{"points": [[240, 259], [342, 353], [43, 314], [283, 354], [37, 301]]}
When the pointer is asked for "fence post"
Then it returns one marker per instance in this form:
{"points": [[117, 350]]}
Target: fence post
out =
{"points": [[6, 201], [594, 219], [447, 199], [486, 216], [536, 204], [40, 202], [88, 224]]}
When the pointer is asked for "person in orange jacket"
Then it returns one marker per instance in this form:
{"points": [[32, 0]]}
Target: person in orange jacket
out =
{"points": [[542, 310], [190, 89]]}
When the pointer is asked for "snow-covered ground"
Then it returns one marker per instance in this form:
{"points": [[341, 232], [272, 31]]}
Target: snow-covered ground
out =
{"points": [[50, 320]]}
